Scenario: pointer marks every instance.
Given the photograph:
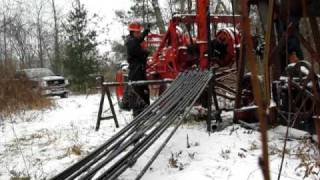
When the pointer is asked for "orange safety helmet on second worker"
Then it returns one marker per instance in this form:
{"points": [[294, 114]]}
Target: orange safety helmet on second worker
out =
{"points": [[135, 26]]}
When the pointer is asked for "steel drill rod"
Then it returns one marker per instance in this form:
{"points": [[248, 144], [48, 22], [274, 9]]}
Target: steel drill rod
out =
{"points": [[176, 97], [148, 121], [221, 75], [121, 169], [69, 171], [149, 163], [139, 121], [137, 83], [185, 93], [158, 126], [122, 148], [154, 137], [113, 155], [167, 94], [152, 122], [224, 87], [158, 102], [145, 119]]}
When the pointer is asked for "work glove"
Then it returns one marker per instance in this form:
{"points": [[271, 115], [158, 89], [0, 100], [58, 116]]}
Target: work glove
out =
{"points": [[147, 29], [148, 25]]}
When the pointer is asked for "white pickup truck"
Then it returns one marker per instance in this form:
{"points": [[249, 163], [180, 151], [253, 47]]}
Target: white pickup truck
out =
{"points": [[44, 80]]}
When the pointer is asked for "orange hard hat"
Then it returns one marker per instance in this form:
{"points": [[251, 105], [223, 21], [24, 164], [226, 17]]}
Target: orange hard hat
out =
{"points": [[134, 26]]}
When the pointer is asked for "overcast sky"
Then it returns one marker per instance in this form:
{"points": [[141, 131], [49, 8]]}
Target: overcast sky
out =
{"points": [[106, 9]]}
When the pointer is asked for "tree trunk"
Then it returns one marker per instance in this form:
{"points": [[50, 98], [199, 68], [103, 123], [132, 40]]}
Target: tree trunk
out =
{"points": [[5, 40], [57, 61], [182, 6], [189, 6], [221, 8], [40, 49], [158, 14], [40, 38], [236, 4]]}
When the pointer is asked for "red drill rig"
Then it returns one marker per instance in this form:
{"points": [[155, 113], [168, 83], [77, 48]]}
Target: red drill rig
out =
{"points": [[203, 45], [200, 40]]}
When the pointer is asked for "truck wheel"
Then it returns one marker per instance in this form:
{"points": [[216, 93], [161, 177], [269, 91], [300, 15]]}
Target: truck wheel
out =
{"points": [[64, 95]]}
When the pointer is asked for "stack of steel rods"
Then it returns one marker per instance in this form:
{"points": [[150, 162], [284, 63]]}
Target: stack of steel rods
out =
{"points": [[121, 151]]}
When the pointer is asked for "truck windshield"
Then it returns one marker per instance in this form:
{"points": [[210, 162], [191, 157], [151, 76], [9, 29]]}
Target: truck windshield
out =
{"points": [[38, 72]]}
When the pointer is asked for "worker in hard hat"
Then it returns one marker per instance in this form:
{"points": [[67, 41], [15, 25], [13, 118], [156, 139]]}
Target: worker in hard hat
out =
{"points": [[137, 59]]}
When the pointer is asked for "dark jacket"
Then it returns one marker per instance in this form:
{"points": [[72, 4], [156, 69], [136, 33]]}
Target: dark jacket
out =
{"points": [[137, 56], [137, 96]]}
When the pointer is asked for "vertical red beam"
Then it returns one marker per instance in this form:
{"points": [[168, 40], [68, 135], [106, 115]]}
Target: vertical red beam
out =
{"points": [[173, 34], [202, 38]]}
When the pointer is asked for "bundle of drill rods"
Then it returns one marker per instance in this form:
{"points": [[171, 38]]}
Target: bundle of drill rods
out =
{"points": [[122, 150]]}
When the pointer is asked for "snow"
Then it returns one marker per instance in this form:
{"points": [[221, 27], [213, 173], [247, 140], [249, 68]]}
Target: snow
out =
{"points": [[42, 143], [49, 78], [46, 137], [292, 133]]}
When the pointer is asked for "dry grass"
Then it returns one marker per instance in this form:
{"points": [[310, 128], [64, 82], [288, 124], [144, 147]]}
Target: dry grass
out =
{"points": [[75, 149], [174, 161], [17, 94], [308, 154]]}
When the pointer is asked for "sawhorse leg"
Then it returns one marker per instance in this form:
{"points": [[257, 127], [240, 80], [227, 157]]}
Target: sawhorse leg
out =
{"points": [[112, 108], [100, 118]]}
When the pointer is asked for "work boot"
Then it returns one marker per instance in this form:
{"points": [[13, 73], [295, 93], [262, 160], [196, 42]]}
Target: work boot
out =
{"points": [[136, 112]]}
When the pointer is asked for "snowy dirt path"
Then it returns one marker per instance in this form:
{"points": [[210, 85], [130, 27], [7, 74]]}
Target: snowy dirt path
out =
{"points": [[40, 144]]}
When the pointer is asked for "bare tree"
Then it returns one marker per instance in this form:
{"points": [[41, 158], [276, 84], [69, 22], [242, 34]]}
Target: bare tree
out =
{"points": [[39, 34], [237, 7], [57, 61], [182, 5], [158, 14], [25, 37], [8, 18], [19, 41], [5, 52]]}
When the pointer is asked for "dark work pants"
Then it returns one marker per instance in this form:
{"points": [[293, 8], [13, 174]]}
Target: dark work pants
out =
{"points": [[140, 94], [143, 95]]}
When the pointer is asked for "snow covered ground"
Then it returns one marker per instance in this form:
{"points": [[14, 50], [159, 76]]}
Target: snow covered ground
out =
{"points": [[40, 144]]}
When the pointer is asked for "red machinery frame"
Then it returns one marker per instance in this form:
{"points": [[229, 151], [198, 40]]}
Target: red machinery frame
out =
{"points": [[171, 56]]}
